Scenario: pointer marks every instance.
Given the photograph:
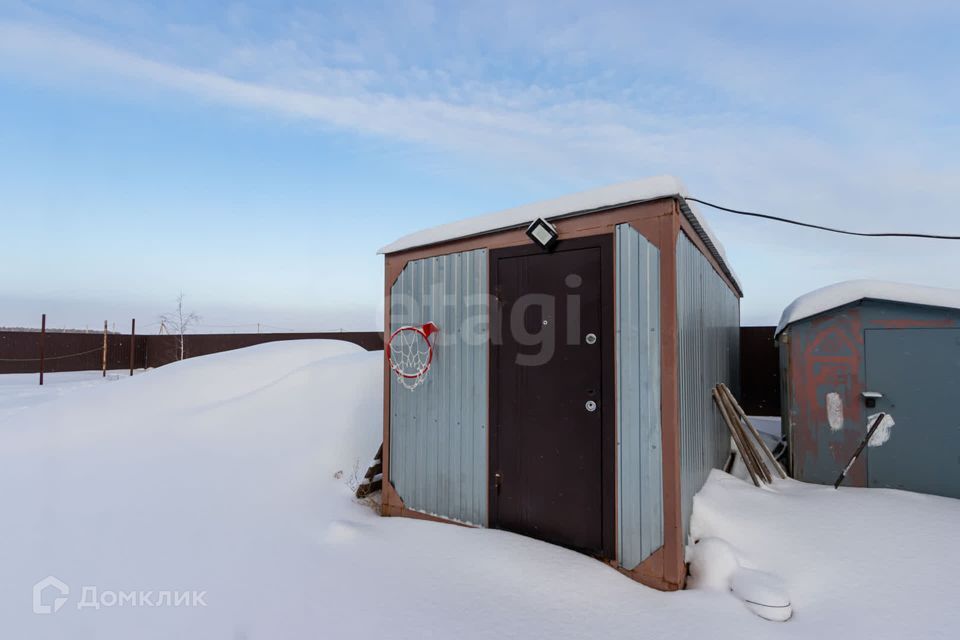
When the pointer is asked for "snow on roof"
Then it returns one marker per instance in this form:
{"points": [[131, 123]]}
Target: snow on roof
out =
{"points": [[617, 195], [842, 293]]}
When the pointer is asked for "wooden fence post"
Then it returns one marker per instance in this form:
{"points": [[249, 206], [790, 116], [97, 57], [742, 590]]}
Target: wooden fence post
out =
{"points": [[43, 334], [133, 342], [104, 361]]}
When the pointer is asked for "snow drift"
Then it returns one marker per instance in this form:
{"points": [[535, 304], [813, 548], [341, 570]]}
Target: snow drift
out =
{"points": [[219, 474], [857, 563]]}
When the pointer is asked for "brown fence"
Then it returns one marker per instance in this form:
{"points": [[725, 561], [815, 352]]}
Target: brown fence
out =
{"points": [[19, 353], [20, 350], [759, 371]]}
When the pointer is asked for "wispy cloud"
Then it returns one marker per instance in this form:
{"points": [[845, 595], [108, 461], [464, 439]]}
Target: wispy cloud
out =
{"points": [[832, 121], [563, 132], [575, 128]]}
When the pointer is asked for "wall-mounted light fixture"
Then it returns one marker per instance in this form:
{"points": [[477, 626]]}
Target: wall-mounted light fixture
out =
{"points": [[543, 233]]}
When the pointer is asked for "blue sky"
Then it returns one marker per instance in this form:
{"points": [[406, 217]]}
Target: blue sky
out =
{"points": [[255, 155]]}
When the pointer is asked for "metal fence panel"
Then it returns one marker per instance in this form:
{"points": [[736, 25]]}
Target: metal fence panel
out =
{"points": [[438, 431], [640, 476]]}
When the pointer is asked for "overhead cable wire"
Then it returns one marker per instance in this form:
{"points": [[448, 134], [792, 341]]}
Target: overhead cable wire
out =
{"points": [[846, 232]]}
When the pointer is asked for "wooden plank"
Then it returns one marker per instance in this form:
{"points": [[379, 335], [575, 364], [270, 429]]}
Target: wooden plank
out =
{"points": [[373, 479], [751, 450], [736, 435], [365, 490], [755, 433]]}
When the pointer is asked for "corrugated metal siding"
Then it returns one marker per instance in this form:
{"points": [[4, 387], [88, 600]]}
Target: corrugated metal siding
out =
{"points": [[708, 333], [640, 475], [438, 432]]}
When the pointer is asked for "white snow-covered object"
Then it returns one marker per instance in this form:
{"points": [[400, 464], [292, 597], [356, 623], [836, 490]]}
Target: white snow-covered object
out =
{"points": [[712, 564], [835, 411], [763, 593], [716, 566], [882, 434], [842, 293], [576, 204]]}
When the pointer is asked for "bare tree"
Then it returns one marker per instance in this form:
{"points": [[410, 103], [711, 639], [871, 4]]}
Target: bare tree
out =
{"points": [[178, 322]]}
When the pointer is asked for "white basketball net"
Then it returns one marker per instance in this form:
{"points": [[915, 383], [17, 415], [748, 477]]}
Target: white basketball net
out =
{"points": [[410, 355]]}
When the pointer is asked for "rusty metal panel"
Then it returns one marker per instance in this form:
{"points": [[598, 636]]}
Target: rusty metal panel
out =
{"points": [[640, 468], [438, 431], [708, 335], [824, 363], [826, 366]]}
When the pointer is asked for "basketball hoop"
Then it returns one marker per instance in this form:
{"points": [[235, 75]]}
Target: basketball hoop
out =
{"points": [[410, 354]]}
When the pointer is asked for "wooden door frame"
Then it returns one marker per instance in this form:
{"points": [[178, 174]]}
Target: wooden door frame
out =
{"points": [[608, 462]]}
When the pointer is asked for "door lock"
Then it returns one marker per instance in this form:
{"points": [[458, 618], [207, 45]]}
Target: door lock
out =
{"points": [[870, 398], [590, 338], [590, 406]]}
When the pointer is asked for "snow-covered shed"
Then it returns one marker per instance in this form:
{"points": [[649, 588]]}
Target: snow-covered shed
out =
{"points": [[549, 372], [854, 349]]}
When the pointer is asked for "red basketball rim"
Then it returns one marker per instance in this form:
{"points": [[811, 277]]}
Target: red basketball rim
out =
{"points": [[424, 332]]}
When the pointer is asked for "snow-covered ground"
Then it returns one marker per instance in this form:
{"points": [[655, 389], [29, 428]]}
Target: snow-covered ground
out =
{"points": [[19, 391], [229, 475]]}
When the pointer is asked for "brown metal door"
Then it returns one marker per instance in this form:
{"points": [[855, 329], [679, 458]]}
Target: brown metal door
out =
{"points": [[551, 395]]}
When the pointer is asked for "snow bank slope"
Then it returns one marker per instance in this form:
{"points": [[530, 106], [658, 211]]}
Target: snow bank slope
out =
{"points": [[858, 563], [20, 391], [213, 474], [218, 474]]}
